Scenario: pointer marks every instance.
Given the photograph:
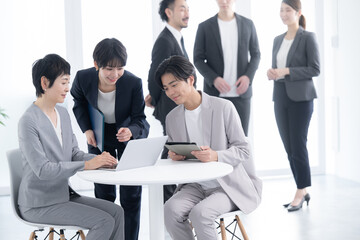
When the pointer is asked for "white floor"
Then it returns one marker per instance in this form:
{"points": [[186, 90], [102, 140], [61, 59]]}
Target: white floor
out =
{"points": [[333, 213]]}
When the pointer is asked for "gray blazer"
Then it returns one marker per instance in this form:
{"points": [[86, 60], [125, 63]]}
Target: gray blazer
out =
{"points": [[224, 134], [208, 55], [304, 63], [47, 164]]}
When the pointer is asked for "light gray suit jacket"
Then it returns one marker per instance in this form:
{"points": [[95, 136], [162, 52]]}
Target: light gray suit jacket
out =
{"points": [[47, 164], [303, 60], [224, 134], [209, 58]]}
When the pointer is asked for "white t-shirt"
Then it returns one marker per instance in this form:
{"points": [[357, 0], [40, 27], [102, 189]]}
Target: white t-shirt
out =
{"points": [[281, 57], [229, 44], [194, 128], [106, 104]]}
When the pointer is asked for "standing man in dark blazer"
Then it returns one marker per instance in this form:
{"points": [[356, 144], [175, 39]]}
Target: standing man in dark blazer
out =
{"points": [[221, 54], [170, 42]]}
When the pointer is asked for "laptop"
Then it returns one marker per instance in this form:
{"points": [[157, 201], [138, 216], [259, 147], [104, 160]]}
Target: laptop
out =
{"points": [[140, 153]]}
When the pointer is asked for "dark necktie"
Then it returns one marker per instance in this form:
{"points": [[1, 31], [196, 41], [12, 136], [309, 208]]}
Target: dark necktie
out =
{"points": [[183, 48]]}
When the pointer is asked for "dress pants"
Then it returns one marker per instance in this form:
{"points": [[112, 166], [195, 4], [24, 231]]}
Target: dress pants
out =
{"points": [[293, 119], [199, 206], [242, 106], [130, 196], [105, 220]]}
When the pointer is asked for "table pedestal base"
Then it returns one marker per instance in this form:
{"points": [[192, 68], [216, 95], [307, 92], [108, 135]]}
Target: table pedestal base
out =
{"points": [[156, 212]]}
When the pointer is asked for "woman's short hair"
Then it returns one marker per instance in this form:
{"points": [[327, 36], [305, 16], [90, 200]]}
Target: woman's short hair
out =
{"points": [[51, 66], [110, 52], [164, 4], [178, 66]]}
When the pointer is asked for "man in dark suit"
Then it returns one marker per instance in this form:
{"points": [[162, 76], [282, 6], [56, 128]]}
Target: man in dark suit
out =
{"points": [[221, 54], [170, 42]]}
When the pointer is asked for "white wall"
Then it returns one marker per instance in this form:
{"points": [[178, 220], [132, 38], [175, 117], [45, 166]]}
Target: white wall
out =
{"points": [[26, 35], [39, 32], [346, 80]]}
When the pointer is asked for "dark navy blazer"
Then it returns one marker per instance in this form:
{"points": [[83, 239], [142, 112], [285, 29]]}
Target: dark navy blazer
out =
{"points": [[129, 101]]}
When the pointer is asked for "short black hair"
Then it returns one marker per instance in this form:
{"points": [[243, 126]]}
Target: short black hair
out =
{"points": [[180, 67], [51, 66], [164, 4], [110, 52]]}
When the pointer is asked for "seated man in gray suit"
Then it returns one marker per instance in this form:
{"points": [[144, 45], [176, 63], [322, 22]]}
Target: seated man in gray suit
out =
{"points": [[213, 123]]}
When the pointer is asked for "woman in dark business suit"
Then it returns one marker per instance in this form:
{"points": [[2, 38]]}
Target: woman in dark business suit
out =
{"points": [[295, 62], [51, 156], [118, 94]]}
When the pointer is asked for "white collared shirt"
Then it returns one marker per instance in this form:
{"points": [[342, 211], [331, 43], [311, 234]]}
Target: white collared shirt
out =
{"points": [[177, 34]]}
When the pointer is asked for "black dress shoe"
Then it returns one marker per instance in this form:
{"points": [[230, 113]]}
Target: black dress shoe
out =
{"points": [[286, 205], [306, 197]]}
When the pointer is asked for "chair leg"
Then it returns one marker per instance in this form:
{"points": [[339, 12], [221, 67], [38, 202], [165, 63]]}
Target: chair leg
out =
{"points": [[82, 235], [62, 235], [51, 234], [32, 235], [242, 229], [222, 229]]}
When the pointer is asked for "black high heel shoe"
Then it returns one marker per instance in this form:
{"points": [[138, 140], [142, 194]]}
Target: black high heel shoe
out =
{"points": [[306, 199]]}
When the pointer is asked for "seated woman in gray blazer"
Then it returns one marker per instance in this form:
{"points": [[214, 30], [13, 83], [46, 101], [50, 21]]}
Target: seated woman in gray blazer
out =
{"points": [[51, 155], [214, 124], [295, 62]]}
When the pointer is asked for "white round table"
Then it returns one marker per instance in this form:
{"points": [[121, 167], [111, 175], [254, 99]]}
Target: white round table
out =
{"points": [[165, 171]]}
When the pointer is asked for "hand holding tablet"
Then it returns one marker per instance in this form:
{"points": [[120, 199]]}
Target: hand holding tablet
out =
{"points": [[183, 148]]}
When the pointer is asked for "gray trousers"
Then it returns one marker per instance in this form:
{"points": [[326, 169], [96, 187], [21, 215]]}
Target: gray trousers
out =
{"points": [[199, 206], [104, 219]]}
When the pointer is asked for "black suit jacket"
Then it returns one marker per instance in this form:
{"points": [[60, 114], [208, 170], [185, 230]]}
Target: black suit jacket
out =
{"points": [[165, 46], [129, 103], [208, 54]]}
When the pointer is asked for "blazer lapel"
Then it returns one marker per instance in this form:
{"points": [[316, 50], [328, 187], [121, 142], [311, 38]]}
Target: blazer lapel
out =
{"points": [[276, 49], [65, 132], [240, 34], [238, 23], [206, 114], [181, 125], [173, 39], [216, 32], [93, 90], [294, 46], [48, 126]]}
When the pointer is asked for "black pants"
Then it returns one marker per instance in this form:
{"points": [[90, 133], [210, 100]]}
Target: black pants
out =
{"points": [[293, 119], [130, 196], [242, 106]]}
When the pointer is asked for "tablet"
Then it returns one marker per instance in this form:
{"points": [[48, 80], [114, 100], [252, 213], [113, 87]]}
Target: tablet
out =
{"points": [[183, 148]]}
